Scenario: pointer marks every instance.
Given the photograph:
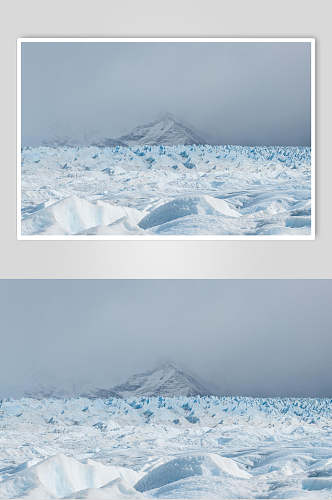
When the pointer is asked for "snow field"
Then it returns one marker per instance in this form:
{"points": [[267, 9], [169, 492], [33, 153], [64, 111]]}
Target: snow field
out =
{"points": [[180, 447], [165, 190]]}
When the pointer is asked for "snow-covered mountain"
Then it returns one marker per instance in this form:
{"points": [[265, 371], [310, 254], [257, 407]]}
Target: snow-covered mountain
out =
{"points": [[166, 380], [166, 131]]}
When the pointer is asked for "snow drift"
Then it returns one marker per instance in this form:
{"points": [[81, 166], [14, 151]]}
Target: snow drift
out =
{"points": [[187, 205], [188, 466], [115, 490], [60, 476], [74, 215]]}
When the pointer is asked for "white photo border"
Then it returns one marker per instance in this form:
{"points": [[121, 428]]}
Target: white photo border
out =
{"points": [[310, 236]]}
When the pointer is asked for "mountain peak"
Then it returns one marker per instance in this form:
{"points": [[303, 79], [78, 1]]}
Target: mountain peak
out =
{"points": [[166, 379], [166, 130]]}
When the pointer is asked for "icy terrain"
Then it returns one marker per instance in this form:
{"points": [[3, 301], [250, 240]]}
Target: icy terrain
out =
{"points": [[166, 190], [186, 447]]}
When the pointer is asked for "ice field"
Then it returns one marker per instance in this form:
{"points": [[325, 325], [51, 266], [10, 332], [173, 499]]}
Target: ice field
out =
{"points": [[183, 447], [166, 190]]}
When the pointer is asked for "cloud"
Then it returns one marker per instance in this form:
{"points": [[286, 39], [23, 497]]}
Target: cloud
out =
{"points": [[234, 93], [251, 337]]}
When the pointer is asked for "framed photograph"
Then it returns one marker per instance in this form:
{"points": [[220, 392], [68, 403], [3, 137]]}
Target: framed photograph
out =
{"points": [[166, 138], [223, 394]]}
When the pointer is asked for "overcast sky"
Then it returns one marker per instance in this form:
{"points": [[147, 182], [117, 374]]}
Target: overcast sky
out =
{"points": [[233, 93], [247, 337]]}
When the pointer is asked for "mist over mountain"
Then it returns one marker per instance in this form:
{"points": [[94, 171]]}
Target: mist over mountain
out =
{"points": [[166, 379], [166, 130]]}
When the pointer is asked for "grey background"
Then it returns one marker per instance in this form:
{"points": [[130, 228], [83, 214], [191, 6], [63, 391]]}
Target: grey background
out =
{"points": [[180, 259], [231, 92], [239, 337]]}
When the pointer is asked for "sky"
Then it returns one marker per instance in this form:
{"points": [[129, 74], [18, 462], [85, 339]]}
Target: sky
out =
{"points": [[243, 337], [231, 93]]}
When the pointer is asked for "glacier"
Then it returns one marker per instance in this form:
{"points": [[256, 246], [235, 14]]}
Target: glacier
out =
{"points": [[198, 447], [165, 190]]}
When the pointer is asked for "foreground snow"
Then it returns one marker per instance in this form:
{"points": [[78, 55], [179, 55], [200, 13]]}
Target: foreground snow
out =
{"points": [[198, 447], [166, 190]]}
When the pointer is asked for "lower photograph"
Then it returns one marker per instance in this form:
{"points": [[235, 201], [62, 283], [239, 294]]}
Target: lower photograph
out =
{"points": [[170, 389]]}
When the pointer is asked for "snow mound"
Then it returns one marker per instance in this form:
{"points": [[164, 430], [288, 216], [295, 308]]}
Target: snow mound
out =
{"points": [[205, 225], [205, 488], [60, 476], [189, 466], [187, 205], [74, 215], [124, 225], [116, 489]]}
